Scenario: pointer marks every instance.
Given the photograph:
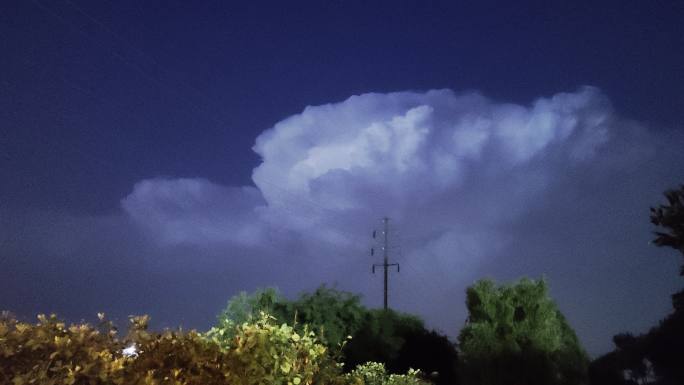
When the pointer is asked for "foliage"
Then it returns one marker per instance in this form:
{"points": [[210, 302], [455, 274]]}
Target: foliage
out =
{"points": [[172, 357], [245, 307], [430, 351], [49, 352], [374, 373], [381, 337], [671, 218], [276, 354], [333, 314], [398, 340], [402, 342], [651, 357], [654, 356], [607, 370], [516, 334]]}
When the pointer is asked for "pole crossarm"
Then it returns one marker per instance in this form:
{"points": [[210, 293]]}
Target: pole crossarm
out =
{"points": [[382, 265]]}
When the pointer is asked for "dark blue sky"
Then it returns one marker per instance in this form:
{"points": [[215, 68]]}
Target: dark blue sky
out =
{"points": [[117, 91], [128, 147]]}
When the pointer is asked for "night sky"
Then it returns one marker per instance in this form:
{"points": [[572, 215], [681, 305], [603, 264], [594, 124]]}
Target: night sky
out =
{"points": [[161, 156]]}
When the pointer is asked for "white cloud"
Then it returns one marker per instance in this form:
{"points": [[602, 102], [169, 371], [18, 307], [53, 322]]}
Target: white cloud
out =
{"points": [[195, 211], [379, 154], [463, 178]]}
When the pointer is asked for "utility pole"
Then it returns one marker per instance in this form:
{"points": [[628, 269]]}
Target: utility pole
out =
{"points": [[385, 264]]}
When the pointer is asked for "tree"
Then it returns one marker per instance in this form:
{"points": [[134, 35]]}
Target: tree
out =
{"points": [[333, 314], [607, 370], [515, 334], [380, 338], [398, 340], [671, 219], [432, 353], [653, 357], [245, 307], [402, 342]]}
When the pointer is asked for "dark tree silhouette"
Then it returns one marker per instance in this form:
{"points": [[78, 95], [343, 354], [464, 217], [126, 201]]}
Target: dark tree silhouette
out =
{"points": [[430, 352], [670, 218], [654, 357]]}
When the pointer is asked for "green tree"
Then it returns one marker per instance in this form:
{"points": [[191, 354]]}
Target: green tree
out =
{"points": [[333, 314], [245, 307], [398, 340], [515, 334]]}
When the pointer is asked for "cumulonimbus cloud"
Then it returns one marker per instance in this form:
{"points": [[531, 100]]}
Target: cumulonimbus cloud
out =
{"points": [[384, 154], [474, 187]]}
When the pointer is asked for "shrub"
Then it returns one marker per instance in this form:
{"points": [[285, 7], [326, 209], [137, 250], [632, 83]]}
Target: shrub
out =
{"points": [[374, 373], [262, 351], [49, 352]]}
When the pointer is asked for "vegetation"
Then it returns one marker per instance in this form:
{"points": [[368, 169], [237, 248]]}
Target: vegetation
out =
{"points": [[374, 373], [261, 352], [49, 352], [332, 314], [654, 357], [516, 334], [399, 341]]}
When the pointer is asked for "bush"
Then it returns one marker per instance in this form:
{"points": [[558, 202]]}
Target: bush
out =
{"points": [[374, 373], [49, 352], [263, 351]]}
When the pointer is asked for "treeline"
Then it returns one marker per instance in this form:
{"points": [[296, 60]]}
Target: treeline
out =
{"points": [[514, 333]]}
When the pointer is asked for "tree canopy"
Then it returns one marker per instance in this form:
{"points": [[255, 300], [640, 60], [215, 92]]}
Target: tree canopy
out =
{"points": [[516, 334], [670, 217], [398, 340]]}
